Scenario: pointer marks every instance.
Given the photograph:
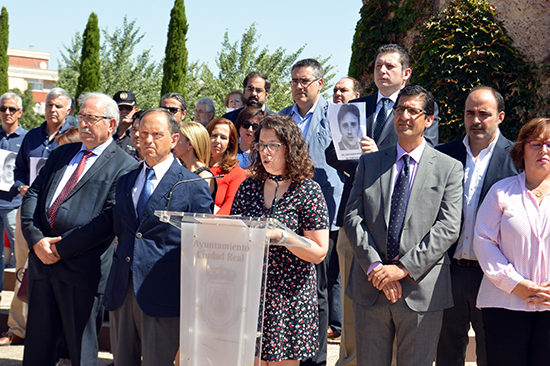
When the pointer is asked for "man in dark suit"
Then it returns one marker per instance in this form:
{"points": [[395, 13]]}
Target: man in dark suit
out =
{"points": [[76, 184], [256, 88], [143, 288], [391, 73], [402, 216], [485, 154]]}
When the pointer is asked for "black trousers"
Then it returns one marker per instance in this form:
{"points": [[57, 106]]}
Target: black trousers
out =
{"points": [[320, 358], [55, 308], [517, 338]]}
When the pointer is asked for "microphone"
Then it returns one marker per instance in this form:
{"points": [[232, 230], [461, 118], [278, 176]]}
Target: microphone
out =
{"points": [[169, 201]]}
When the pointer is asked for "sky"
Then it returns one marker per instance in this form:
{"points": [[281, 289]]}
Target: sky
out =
{"points": [[325, 27]]}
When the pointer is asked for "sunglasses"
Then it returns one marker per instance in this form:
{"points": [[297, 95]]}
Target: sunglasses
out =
{"points": [[246, 125], [172, 110], [11, 109]]}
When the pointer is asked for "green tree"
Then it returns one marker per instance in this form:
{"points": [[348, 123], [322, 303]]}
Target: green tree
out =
{"points": [[120, 68], [175, 59], [467, 46], [29, 119], [236, 60], [4, 58], [90, 67]]}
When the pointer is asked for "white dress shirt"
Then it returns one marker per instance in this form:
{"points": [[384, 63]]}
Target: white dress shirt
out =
{"points": [[160, 169]]}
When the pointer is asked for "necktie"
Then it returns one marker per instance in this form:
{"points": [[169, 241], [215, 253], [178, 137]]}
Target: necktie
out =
{"points": [[145, 192], [398, 209], [71, 183], [381, 119]]}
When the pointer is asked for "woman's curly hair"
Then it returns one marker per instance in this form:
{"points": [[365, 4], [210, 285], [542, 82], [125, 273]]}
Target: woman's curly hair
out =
{"points": [[299, 165]]}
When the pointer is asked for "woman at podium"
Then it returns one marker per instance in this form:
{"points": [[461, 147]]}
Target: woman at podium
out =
{"points": [[281, 187]]}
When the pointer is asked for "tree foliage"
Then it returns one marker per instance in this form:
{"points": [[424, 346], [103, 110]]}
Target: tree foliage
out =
{"points": [[90, 66], [29, 119], [120, 68], [175, 59], [383, 22], [4, 58], [236, 60], [467, 46]]}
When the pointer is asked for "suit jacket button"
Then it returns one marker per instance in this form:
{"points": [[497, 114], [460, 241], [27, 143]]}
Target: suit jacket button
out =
{"points": [[128, 259], [138, 235]]}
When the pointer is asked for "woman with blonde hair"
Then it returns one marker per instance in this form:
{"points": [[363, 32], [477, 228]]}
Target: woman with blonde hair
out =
{"points": [[193, 148]]}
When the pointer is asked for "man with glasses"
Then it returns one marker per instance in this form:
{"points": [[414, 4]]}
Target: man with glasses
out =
{"points": [[174, 103], [127, 107], [391, 73], [310, 112], [204, 111], [11, 138], [38, 142], [256, 88], [76, 184], [485, 154], [402, 216]]}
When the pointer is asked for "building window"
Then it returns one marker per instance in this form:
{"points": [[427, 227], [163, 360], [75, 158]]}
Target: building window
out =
{"points": [[36, 84]]}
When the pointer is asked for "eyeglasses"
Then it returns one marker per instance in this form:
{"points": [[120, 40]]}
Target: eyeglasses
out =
{"points": [[537, 145], [272, 146], [252, 90], [413, 112], [90, 119], [172, 110], [303, 82], [3, 109], [198, 111], [246, 125]]}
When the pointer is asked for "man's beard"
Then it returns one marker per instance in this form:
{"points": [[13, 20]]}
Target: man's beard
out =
{"points": [[252, 102]]}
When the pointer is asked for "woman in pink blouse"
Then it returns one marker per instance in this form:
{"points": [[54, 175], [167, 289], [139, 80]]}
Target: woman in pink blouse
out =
{"points": [[512, 244]]}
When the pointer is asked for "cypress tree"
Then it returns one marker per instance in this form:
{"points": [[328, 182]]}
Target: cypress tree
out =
{"points": [[90, 66], [4, 58], [175, 61]]}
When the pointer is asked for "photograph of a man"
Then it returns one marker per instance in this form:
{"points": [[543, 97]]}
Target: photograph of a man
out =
{"points": [[6, 172], [349, 126]]}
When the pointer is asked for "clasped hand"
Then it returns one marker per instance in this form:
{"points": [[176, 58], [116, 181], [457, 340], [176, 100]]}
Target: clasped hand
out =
{"points": [[46, 251], [533, 293], [386, 278]]}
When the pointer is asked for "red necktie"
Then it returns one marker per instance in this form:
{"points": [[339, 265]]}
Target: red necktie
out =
{"points": [[54, 208]]}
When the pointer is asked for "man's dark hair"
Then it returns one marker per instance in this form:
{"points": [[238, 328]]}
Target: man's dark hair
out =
{"points": [[348, 108], [496, 94], [176, 96], [255, 74], [310, 62], [414, 90], [173, 124], [356, 85], [404, 58]]}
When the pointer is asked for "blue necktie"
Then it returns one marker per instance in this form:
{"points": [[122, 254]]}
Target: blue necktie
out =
{"points": [[381, 119], [145, 192], [398, 209]]}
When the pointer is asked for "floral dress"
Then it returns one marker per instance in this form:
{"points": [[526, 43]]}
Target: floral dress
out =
{"points": [[290, 318]]}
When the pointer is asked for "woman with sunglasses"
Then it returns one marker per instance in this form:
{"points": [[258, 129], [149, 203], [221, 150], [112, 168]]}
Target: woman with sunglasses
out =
{"points": [[281, 187], [223, 160], [247, 123], [512, 245]]}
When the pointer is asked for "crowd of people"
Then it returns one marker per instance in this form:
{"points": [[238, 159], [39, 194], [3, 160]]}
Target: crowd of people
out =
{"points": [[411, 244]]}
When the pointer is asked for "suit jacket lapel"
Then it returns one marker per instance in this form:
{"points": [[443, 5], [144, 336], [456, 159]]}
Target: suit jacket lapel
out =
{"points": [[162, 190], [424, 170], [387, 130], [58, 175], [371, 110], [496, 163], [317, 115]]}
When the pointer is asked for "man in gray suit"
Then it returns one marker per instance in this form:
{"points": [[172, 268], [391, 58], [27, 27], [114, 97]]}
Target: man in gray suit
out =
{"points": [[402, 216]]}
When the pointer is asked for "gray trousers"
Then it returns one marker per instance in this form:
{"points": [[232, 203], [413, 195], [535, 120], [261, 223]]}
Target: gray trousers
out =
{"points": [[139, 339]]}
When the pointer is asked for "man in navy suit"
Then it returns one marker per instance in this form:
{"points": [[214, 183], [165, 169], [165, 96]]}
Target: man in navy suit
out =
{"points": [[76, 184], [310, 114], [391, 73], [143, 288], [256, 88], [485, 154]]}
